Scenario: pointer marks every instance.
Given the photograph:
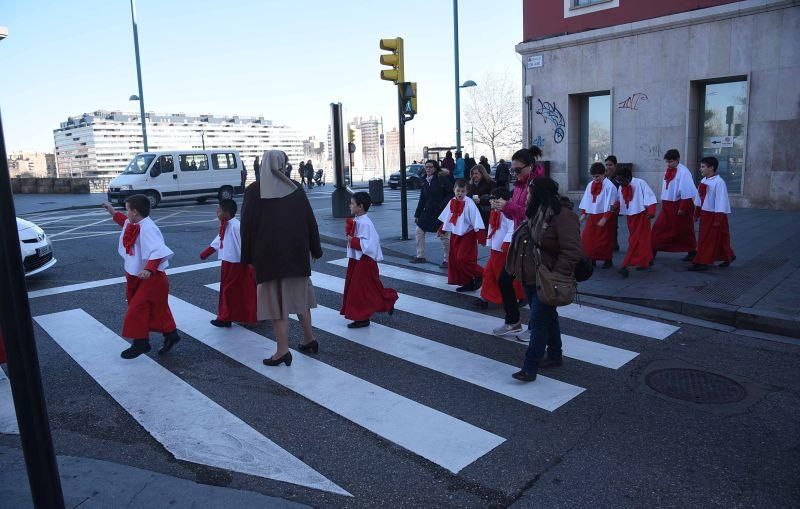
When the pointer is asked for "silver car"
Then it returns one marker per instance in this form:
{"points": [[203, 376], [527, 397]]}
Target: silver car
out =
{"points": [[36, 248]]}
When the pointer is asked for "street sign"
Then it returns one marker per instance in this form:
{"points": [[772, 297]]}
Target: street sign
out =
{"points": [[535, 61], [381, 140], [720, 141]]}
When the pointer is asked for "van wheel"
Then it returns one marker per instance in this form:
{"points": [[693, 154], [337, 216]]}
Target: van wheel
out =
{"points": [[202, 199], [154, 199], [225, 193]]}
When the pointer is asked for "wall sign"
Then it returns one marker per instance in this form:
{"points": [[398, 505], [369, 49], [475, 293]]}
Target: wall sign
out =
{"points": [[535, 61]]}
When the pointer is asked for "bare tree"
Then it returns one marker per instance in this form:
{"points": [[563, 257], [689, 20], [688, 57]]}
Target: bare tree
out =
{"points": [[495, 113]]}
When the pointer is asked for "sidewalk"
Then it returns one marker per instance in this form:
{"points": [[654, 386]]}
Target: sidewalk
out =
{"points": [[91, 483], [31, 203], [758, 291]]}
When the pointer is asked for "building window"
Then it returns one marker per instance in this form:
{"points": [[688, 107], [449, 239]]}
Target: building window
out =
{"points": [[722, 128], [580, 7], [223, 161], [595, 132], [194, 162]]}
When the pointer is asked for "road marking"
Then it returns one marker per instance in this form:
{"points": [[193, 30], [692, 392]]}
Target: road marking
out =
{"points": [[188, 424], [8, 416], [79, 227], [168, 216], [114, 280], [575, 348], [434, 435], [594, 316]]}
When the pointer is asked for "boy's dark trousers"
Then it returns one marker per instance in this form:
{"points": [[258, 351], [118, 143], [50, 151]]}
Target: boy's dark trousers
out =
{"points": [[510, 304]]}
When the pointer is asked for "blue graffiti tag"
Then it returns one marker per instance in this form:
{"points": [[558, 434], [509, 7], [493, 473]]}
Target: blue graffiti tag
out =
{"points": [[539, 141], [548, 110]]}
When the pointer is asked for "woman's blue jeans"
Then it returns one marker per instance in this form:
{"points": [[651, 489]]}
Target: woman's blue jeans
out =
{"points": [[545, 332]]}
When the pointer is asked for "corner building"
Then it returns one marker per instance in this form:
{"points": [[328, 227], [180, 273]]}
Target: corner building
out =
{"points": [[635, 78]]}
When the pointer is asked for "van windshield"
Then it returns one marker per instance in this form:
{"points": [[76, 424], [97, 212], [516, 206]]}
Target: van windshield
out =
{"points": [[139, 164]]}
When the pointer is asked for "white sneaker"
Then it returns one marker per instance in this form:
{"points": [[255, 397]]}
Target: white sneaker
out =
{"points": [[524, 338], [515, 328]]}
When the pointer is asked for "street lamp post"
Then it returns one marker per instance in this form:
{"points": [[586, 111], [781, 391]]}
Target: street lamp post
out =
{"points": [[139, 73], [458, 89]]}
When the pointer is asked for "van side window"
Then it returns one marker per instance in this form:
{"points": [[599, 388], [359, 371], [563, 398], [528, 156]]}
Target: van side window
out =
{"points": [[224, 161], [194, 162], [164, 164]]}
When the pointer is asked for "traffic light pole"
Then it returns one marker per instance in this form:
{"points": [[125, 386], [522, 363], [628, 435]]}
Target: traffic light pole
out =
{"points": [[22, 357], [403, 190]]}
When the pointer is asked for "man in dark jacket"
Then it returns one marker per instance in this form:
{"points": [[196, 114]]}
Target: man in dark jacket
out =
{"points": [[501, 174], [435, 193]]}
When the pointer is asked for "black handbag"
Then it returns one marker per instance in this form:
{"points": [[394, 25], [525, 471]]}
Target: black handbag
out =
{"points": [[583, 269]]}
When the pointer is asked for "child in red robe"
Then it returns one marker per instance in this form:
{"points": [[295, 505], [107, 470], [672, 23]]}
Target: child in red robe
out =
{"points": [[673, 230], [364, 293], [712, 210], [146, 257], [599, 210], [638, 202], [498, 238], [463, 220], [237, 286]]}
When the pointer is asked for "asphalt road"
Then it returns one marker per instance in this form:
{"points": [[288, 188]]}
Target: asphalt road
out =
{"points": [[618, 443]]}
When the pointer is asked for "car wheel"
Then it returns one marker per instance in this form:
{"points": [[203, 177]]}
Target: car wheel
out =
{"points": [[154, 199], [202, 199], [392, 187], [225, 193]]}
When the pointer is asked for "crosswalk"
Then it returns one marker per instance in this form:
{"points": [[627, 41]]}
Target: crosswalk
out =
{"points": [[195, 428]]}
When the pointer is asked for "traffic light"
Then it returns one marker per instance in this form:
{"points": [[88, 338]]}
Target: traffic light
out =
{"points": [[408, 94], [393, 59], [351, 135]]}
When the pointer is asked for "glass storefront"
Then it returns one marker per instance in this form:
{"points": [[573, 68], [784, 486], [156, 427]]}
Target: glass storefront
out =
{"points": [[595, 133], [723, 128]]}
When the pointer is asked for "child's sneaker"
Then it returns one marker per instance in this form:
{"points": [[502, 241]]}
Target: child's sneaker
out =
{"points": [[508, 328]]}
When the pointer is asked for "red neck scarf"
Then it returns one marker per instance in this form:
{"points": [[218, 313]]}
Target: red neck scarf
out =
{"points": [[494, 222], [129, 237], [223, 225], [669, 175], [350, 227], [627, 194], [702, 189], [597, 188], [456, 208]]}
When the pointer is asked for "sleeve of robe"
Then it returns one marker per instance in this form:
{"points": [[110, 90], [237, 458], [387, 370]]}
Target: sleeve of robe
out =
{"points": [[249, 224], [313, 230]]}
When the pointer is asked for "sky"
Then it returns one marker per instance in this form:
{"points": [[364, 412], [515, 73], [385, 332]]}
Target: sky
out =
{"points": [[286, 60]]}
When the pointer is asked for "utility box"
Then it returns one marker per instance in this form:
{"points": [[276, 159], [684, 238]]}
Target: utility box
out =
{"points": [[376, 191]]}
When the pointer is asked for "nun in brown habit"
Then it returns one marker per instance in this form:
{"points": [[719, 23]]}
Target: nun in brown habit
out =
{"points": [[279, 238]]}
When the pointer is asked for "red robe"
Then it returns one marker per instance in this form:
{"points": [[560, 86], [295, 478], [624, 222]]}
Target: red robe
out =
{"points": [[237, 293], [673, 233], [490, 290], [148, 307], [462, 262], [598, 241], [640, 246], [364, 294], [715, 239]]}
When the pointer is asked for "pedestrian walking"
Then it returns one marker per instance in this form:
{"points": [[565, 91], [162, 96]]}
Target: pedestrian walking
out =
{"points": [[599, 211], [281, 262], [501, 174], [309, 174], [256, 168], [301, 172], [461, 167], [448, 163], [478, 189], [435, 193], [611, 174], [549, 239], [673, 230], [637, 202], [713, 208], [145, 258], [485, 163], [462, 220]]}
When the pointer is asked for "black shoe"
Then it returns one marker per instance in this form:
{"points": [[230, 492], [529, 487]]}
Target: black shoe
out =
{"points": [[138, 347], [220, 323], [698, 267], [284, 359], [616, 247], [652, 262], [728, 263], [624, 272], [466, 288], [391, 311], [169, 341], [418, 259], [522, 303], [594, 263], [645, 268], [689, 256], [477, 283], [607, 264], [524, 376], [312, 347], [550, 363], [358, 324], [481, 304]]}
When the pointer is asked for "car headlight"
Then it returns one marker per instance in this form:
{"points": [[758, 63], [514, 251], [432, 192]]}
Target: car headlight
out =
{"points": [[126, 188]]}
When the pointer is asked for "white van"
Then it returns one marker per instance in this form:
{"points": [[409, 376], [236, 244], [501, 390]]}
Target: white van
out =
{"points": [[172, 175]]}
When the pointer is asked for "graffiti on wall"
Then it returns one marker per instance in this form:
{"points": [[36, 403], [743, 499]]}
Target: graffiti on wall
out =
{"points": [[652, 152], [539, 141], [632, 102], [549, 111]]}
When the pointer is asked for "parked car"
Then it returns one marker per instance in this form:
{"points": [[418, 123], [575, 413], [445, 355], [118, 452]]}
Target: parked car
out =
{"points": [[36, 248], [179, 175], [414, 175]]}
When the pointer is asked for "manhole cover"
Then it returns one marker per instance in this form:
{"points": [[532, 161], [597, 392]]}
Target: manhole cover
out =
{"points": [[695, 386]]}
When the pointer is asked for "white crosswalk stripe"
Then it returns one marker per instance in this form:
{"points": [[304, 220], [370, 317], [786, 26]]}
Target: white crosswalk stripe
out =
{"points": [[574, 348], [495, 376], [188, 424], [8, 418], [434, 435], [587, 314]]}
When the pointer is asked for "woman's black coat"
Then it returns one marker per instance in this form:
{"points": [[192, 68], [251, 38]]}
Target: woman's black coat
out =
{"points": [[433, 198]]}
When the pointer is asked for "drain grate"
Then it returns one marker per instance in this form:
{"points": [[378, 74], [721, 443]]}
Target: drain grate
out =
{"points": [[695, 386]]}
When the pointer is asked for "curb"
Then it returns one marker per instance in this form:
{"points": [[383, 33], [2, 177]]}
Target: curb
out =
{"points": [[734, 316]]}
